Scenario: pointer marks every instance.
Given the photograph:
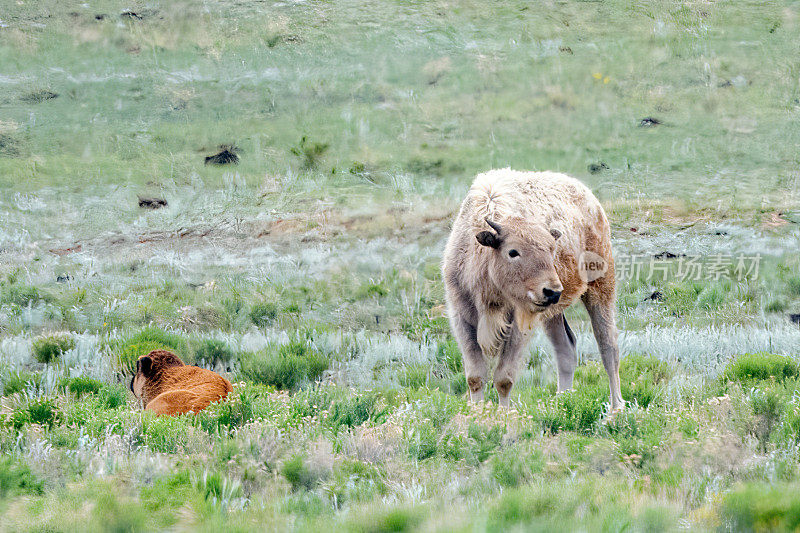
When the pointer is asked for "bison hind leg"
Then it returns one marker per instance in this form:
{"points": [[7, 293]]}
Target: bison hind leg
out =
{"points": [[176, 402]]}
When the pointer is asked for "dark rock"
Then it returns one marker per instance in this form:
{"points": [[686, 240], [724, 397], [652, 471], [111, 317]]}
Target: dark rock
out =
{"points": [[100, 16], [649, 122], [655, 296], [667, 255], [37, 97], [596, 168], [10, 146], [226, 156], [795, 317], [65, 251], [152, 203]]}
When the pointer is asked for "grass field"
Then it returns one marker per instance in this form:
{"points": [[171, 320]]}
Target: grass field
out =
{"points": [[308, 272]]}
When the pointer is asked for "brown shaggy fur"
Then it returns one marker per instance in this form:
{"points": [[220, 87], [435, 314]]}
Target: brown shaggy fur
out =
{"points": [[168, 387]]}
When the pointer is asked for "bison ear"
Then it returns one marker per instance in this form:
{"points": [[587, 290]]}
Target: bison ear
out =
{"points": [[555, 233], [487, 238], [145, 364]]}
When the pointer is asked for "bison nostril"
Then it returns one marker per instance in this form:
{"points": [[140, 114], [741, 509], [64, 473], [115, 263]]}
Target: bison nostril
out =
{"points": [[551, 296]]}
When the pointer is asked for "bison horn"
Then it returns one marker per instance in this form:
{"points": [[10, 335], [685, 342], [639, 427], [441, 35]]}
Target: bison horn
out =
{"points": [[495, 226]]}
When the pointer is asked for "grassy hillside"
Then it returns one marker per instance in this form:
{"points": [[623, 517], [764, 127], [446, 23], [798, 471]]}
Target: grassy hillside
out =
{"points": [[308, 271]]}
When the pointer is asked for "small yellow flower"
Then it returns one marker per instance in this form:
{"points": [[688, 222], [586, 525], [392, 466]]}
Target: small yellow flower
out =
{"points": [[597, 75], [605, 80]]}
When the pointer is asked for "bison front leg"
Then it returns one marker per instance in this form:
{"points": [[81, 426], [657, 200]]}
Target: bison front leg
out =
{"points": [[601, 311], [474, 363], [508, 365], [563, 341]]}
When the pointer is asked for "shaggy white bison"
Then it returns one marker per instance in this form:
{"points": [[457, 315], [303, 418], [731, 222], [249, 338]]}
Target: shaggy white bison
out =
{"points": [[524, 247]]}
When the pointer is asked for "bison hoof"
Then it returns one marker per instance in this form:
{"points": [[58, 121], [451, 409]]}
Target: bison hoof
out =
{"points": [[503, 387], [475, 384]]}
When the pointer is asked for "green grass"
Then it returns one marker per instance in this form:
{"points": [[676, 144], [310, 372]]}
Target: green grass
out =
{"points": [[749, 368], [308, 273]]}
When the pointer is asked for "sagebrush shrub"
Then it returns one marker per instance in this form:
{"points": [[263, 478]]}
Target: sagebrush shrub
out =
{"points": [[50, 348]]}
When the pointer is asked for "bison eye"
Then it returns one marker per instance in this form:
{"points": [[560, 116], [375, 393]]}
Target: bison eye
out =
{"points": [[513, 253]]}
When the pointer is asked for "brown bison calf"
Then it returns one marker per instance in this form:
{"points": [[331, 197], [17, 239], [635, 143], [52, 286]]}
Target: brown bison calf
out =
{"points": [[524, 247], [168, 387]]}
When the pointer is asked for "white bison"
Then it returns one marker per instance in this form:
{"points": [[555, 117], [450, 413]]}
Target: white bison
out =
{"points": [[524, 247]]}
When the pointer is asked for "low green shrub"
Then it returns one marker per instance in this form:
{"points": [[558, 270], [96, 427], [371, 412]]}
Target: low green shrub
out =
{"points": [[357, 481], [298, 474], [391, 520], [638, 435], [82, 385], [371, 290], [166, 434], [484, 440], [41, 411], [262, 314], [580, 409], [17, 479], [447, 352], [748, 368], [516, 466], [217, 488], [166, 494], [112, 396], [113, 512], [22, 295], [762, 507], [413, 375], [422, 441], [19, 381], [768, 404], [128, 350], [212, 351], [284, 368], [50, 348], [356, 409], [234, 411], [642, 377]]}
